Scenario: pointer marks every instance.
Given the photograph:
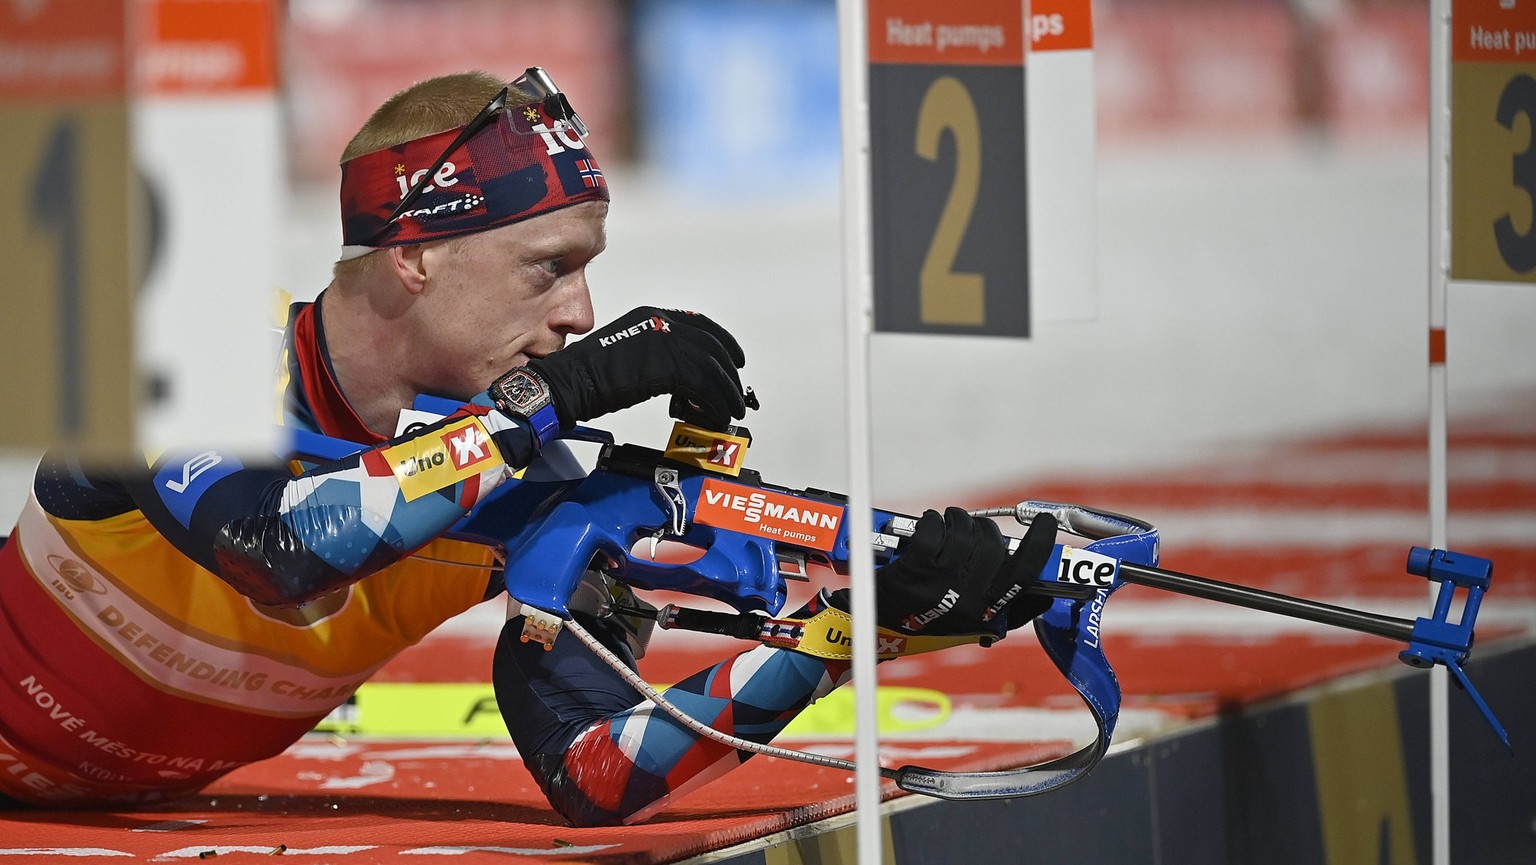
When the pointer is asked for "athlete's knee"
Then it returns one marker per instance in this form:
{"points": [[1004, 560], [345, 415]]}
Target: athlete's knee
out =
{"points": [[590, 793]]}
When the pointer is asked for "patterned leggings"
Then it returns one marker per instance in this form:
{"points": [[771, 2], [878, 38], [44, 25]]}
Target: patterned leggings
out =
{"points": [[604, 755]]}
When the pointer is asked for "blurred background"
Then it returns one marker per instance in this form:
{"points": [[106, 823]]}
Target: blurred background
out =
{"points": [[1261, 224]]}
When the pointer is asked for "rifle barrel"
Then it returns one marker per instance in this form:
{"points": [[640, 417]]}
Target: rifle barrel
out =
{"points": [[1390, 627]]}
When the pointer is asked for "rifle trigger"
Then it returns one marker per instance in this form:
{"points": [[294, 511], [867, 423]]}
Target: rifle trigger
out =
{"points": [[667, 483]]}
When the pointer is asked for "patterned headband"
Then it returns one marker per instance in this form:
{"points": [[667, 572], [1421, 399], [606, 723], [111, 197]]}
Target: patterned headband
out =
{"points": [[507, 165]]}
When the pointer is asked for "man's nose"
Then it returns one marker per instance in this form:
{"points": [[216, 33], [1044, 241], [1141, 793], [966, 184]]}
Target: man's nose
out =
{"points": [[574, 314]]}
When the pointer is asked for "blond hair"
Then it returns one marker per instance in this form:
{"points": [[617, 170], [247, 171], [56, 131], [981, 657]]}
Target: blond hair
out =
{"points": [[426, 107]]}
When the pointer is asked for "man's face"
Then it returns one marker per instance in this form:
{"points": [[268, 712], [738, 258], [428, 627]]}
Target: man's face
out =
{"points": [[495, 299]]}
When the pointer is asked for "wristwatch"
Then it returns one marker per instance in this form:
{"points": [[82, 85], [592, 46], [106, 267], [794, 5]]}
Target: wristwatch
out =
{"points": [[523, 393]]}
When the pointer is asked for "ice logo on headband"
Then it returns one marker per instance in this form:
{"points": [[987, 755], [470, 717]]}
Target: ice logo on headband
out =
{"points": [[565, 132], [443, 179], [508, 164], [558, 137]]}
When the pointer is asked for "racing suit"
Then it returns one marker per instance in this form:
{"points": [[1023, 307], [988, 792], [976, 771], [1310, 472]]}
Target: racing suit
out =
{"points": [[162, 627]]}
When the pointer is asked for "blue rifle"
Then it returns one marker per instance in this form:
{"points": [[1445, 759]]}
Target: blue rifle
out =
{"points": [[557, 522]]}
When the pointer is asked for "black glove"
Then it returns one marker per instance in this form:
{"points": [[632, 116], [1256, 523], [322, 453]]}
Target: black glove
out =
{"points": [[955, 576], [647, 352]]}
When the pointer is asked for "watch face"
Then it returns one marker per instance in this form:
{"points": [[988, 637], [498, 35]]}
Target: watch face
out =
{"points": [[524, 393]]}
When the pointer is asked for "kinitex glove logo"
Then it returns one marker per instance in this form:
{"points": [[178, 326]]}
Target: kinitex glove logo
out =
{"points": [[429, 463], [708, 450], [768, 514], [655, 323]]}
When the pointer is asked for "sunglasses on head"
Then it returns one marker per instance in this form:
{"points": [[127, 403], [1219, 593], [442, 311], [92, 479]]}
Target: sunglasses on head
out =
{"points": [[545, 94]]}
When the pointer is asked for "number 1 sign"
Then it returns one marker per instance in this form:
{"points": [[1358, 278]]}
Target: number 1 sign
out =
{"points": [[65, 346]]}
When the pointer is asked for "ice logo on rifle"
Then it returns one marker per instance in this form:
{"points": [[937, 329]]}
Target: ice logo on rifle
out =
{"points": [[1085, 568]]}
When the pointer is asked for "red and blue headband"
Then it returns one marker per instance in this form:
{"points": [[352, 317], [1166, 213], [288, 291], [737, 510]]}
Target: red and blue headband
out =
{"points": [[509, 164]]}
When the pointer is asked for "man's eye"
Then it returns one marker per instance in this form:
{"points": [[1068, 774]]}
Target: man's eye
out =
{"points": [[551, 266]]}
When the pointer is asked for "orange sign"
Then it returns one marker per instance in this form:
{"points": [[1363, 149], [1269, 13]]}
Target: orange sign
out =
{"points": [[1493, 31], [207, 46], [768, 514], [63, 50], [977, 33], [1060, 25]]}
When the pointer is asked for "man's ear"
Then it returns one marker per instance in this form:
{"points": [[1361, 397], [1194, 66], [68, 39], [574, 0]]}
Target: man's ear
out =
{"points": [[409, 266]]}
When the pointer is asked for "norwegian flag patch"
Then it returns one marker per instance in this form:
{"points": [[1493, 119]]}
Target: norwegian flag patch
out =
{"points": [[591, 175]]}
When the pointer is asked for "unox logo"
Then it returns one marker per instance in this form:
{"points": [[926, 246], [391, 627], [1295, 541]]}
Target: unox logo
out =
{"points": [[467, 447], [768, 514], [655, 322], [417, 463], [712, 451], [724, 453], [425, 465]]}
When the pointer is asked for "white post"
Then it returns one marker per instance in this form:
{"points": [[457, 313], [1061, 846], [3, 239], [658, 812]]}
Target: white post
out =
{"points": [[859, 314], [1439, 279]]}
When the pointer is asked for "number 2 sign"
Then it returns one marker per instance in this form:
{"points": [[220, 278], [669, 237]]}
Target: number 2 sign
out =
{"points": [[947, 167], [1493, 140]]}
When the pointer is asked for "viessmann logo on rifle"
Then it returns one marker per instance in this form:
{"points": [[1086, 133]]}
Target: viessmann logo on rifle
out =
{"points": [[768, 514]]}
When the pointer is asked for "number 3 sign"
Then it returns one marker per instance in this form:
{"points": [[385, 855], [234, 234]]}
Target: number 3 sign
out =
{"points": [[1493, 140]]}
